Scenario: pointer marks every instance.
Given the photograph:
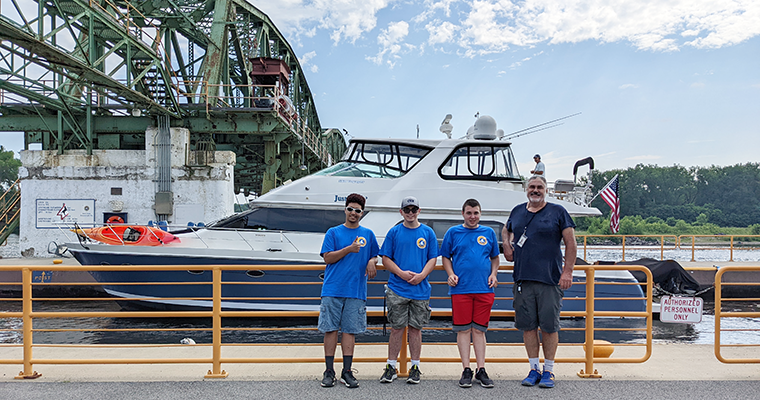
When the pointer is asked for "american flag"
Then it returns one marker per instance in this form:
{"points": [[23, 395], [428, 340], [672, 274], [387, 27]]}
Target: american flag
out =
{"points": [[610, 196]]}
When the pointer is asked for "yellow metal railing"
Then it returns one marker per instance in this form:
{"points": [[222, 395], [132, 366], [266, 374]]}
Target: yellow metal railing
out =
{"points": [[623, 238], [694, 243], [741, 355], [216, 359], [717, 242]]}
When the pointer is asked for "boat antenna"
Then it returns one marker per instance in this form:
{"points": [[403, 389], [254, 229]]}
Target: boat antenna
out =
{"points": [[532, 129], [418, 131]]}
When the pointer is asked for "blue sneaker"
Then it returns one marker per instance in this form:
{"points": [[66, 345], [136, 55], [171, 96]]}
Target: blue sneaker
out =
{"points": [[547, 380], [533, 377]]}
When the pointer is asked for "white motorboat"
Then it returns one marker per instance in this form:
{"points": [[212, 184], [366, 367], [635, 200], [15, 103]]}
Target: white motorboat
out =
{"points": [[287, 224]]}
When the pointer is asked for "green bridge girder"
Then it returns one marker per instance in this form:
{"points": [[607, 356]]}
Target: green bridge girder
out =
{"points": [[80, 74]]}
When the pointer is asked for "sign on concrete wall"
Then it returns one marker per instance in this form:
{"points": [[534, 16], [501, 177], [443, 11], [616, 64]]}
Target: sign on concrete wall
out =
{"points": [[52, 213], [684, 310]]}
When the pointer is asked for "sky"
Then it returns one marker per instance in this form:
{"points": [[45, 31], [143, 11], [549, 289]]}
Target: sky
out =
{"points": [[656, 82]]}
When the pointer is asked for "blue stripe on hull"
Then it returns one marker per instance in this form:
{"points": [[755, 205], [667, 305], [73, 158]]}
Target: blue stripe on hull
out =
{"points": [[299, 284]]}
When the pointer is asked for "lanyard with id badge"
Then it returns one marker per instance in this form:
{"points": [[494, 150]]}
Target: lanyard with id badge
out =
{"points": [[524, 237], [522, 240]]}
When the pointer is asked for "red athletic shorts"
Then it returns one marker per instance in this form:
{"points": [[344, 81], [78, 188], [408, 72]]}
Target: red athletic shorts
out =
{"points": [[471, 310]]}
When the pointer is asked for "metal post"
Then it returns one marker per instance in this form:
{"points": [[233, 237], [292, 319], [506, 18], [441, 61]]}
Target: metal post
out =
{"points": [[584, 248], [692, 248], [662, 247], [28, 372], [217, 371], [732, 249], [718, 309], [589, 327], [403, 358], [623, 247]]}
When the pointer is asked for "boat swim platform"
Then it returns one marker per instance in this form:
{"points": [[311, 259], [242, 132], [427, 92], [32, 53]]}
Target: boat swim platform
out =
{"points": [[668, 362]]}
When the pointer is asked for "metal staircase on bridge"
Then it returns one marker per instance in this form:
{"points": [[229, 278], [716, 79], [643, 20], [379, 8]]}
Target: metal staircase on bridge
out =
{"points": [[10, 211]]}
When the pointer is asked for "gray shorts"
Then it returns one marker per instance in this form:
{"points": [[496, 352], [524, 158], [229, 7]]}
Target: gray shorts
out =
{"points": [[537, 305], [403, 311]]}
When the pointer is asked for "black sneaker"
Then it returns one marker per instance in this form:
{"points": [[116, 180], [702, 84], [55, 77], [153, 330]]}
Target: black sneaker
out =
{"points": [[414, 375], [482, 376], [466, 380], [389, 374], [347, 377], [328, 378]]}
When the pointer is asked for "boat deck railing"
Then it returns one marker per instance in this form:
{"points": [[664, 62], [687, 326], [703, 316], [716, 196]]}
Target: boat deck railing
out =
{"points": [[34, 309]]}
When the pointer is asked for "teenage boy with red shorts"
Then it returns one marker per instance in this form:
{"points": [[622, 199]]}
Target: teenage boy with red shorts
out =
{"points": [[470, 254]]}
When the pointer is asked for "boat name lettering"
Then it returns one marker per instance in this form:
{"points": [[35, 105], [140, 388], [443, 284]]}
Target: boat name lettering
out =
{"points": [[350, 181]]}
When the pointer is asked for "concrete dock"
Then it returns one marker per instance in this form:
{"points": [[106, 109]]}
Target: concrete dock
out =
{"points": [[675, 371]]}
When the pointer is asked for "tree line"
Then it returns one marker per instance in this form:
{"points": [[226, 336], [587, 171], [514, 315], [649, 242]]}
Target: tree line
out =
{"points": [[696, 196]]}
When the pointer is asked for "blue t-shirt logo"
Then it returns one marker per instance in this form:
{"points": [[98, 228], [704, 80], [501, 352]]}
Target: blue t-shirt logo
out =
{"points": [[362, 241], [482, 240], [421, 243]]}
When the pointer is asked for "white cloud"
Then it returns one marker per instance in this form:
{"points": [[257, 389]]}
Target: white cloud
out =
{"points": [[698, 85], [479, 27], [657, 25], [391, 43], [441, 32], [628, 86], [345, 19], [304, 60]]}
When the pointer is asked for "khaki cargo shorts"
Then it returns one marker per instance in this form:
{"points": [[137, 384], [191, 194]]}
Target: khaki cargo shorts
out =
{"points": [[406, 312]]}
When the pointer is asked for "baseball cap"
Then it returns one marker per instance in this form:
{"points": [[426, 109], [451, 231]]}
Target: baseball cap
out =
{"points": [[410, 201]]}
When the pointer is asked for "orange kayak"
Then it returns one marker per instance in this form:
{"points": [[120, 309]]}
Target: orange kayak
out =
{"points": [[133, 235]]}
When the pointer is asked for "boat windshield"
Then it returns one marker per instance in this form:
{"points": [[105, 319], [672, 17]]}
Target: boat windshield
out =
{"points": [[480, 162], [377, 160]]}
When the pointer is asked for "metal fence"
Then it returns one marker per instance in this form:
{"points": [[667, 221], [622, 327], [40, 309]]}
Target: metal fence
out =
{"points": [[742, 277], [30, 312]]}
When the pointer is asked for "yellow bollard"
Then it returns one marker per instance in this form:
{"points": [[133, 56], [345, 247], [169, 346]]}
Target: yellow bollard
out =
{"points": [[602, 348]]}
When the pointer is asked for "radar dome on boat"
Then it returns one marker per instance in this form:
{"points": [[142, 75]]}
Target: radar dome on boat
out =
{"points": [[484, 128]]}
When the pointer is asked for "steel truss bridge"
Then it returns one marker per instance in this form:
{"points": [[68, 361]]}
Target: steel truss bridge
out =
{"points": [[94, 74]]}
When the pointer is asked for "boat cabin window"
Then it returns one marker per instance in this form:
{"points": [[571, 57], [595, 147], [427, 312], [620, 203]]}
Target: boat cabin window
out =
{"points": [[481, 162], [284, 219], [377, 160]]}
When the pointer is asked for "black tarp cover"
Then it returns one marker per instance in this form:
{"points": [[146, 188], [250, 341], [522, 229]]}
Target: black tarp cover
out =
{"points": [[668, 274]]}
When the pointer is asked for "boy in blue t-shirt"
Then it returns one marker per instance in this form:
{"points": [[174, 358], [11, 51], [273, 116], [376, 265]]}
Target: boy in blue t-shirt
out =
{"points": [[470, 256], [350, 252], [409, 252]]}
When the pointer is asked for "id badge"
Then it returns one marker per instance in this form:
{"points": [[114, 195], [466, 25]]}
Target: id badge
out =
{"points": [[522, 240]]}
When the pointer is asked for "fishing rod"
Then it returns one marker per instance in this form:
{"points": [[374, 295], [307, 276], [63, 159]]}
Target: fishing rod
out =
{"points": [[528, 131]]}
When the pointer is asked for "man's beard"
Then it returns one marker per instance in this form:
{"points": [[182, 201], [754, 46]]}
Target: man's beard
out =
{"points": [[534, 199]]}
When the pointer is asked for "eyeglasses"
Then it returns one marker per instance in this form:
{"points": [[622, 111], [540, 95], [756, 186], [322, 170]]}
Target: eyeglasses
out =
{"points": [[410, 210], [356, 210]]}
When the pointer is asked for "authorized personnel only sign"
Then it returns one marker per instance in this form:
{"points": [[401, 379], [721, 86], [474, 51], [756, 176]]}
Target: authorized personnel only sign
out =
{"points": [[683, 310]]}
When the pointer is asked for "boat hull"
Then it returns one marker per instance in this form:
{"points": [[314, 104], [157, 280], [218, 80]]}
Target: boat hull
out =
{"points": [[289, 290]]}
